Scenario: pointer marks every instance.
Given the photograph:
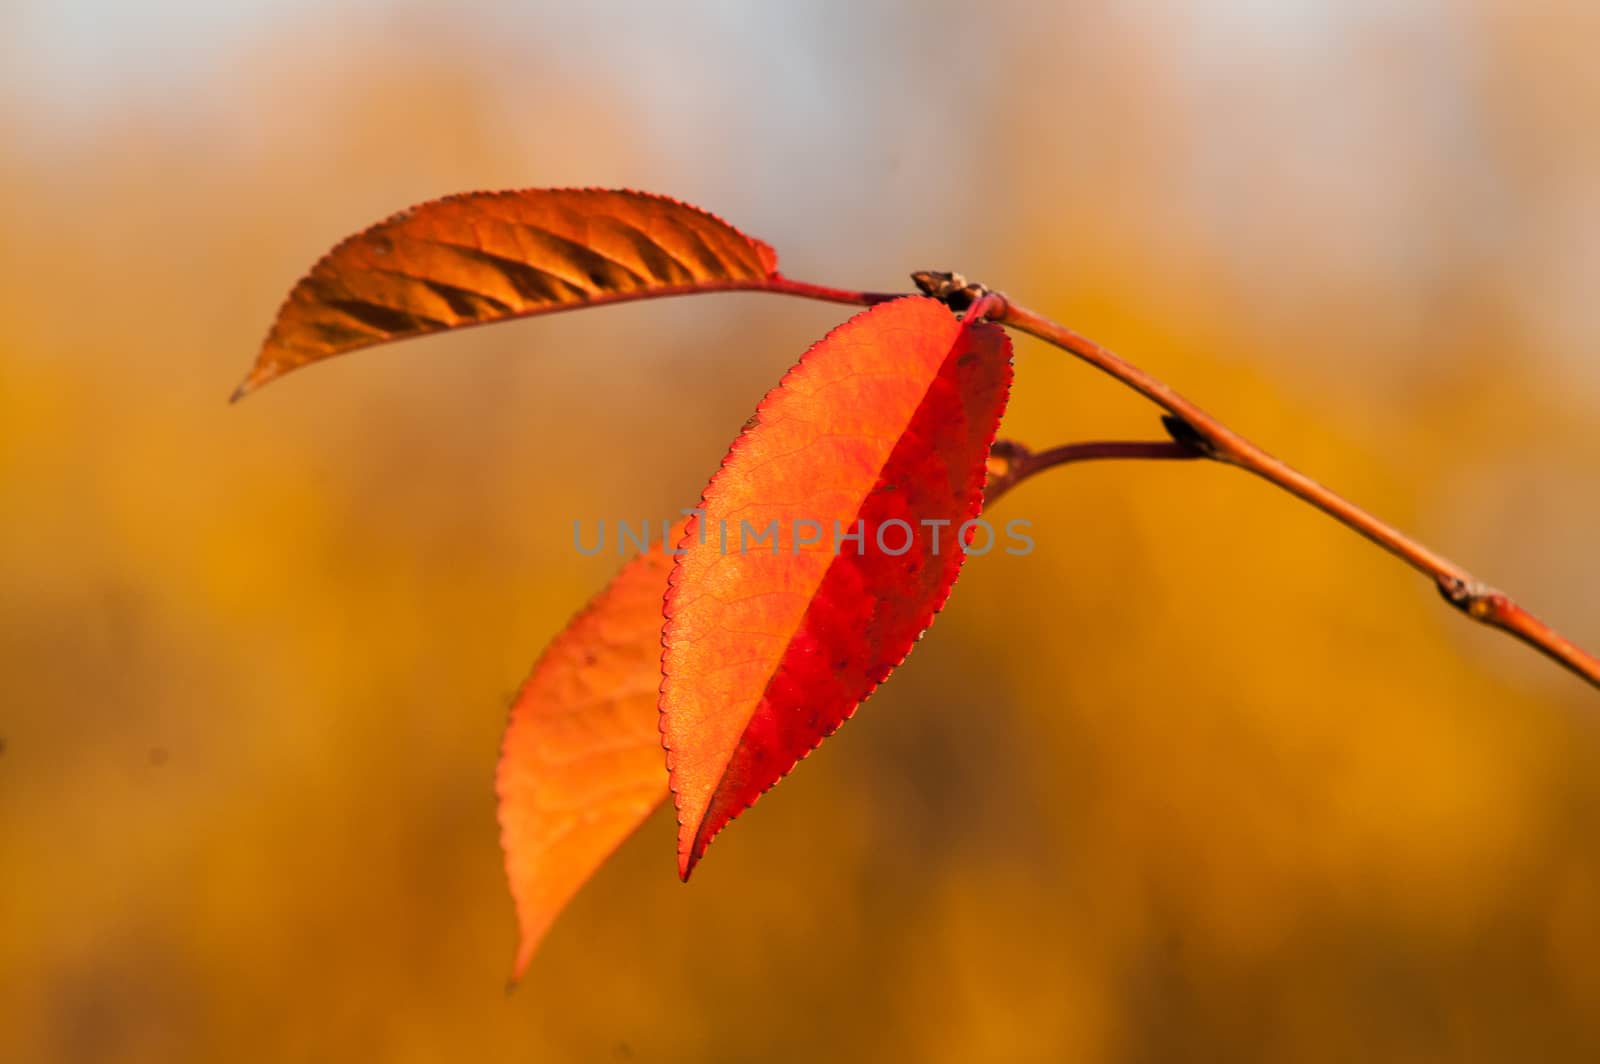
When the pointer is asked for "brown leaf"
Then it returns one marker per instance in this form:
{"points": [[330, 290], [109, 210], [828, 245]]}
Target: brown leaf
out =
{"points": [[483, 257]]}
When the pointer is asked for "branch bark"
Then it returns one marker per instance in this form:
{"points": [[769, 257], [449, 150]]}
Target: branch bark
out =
{"points": [[1198, 433]]}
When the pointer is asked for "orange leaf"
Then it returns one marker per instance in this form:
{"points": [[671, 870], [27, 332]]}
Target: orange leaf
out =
{"points": [[612, 648], [884, 426], [484, 257], [581, 765]]}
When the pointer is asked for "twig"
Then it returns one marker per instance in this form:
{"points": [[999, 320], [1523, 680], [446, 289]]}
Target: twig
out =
{"points": [[1010, 463], [785, 286], [1197, 431]]}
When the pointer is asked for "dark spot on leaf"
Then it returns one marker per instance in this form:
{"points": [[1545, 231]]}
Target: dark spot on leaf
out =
{"points": [[465, 303], [382, 318]]}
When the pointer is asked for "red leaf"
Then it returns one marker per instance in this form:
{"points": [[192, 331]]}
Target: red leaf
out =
{"points": [[889, 418], [581, 765], [483, 257]]}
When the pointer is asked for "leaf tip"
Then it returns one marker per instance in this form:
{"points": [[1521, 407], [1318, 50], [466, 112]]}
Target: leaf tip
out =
{"points": [[259, 375], [691, 846], [689, 855], [519, 966]]}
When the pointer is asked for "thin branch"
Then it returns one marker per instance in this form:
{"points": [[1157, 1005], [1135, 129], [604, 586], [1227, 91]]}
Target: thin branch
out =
{"points": [[1196, 430], [782, 285], [1010, 463]]}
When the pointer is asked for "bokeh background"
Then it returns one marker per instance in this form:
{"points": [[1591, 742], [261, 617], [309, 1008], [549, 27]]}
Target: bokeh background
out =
{"points": [[1205, 777]]}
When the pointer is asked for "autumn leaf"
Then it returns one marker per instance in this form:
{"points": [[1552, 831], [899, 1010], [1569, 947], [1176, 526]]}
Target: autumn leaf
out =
{"points": [[483, 257], [883, 428], [601, 675], [581, 765]]}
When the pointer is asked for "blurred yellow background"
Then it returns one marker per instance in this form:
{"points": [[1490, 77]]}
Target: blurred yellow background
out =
{"points": [[1205, 777]]}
